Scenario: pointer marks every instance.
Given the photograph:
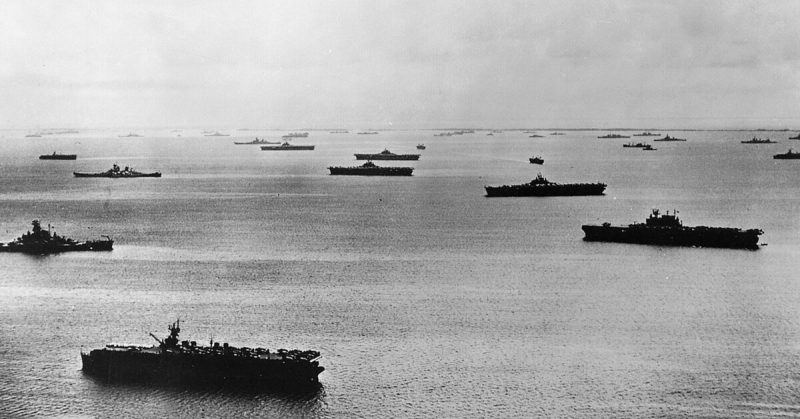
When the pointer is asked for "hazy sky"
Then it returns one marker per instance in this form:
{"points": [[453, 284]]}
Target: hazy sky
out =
{"points": [[399, 64]]}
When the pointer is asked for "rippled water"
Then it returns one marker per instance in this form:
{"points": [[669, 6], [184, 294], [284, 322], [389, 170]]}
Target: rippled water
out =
{"points": [[425, 298]]}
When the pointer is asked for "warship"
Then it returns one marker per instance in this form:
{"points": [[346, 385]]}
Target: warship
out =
{"points": [[543, 187], [614, 136], [536, 136], [646, 134], [57, 156], [755, 140], [788, 155], [668, 138], [286, 147], [296, 135], [42, 242], [668, 230], [421, 147], [129, 135], [635, 145], [796, 137], [536, 160], [370, 169], [257, 141], [187, 363], [387, 155], [116, 173]]}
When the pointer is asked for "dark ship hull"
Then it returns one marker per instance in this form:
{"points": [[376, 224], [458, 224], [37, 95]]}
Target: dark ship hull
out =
{"points": [[50, 248], [372, 171], [733, 238], [287, 148], [787, 156], [58, 157], [257, 142], [568, 189], [117, 175], [387, 156]]}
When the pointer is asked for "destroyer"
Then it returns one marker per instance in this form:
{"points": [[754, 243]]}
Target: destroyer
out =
{"points": [[668, 230], [286, 147], [187, 363], [668, 138], [543, 187], [115, 172], [56, 156], [42, 242], [387, 155], [370, 169]]}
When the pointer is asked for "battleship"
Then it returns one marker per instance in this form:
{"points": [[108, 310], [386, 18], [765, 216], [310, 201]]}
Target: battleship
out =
{"points": [[370, 169], [755, 140], [387, 155], [536, 160], [257, 141], [543, 187], [668, 230], [789, 155], [613, 136], [668, 138], [175, 362], [116, 173], [57, 156], [286, 147], [43, 242]]}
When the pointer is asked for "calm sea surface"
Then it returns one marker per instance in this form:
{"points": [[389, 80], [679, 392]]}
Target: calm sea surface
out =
{"points": [[426, 298]]}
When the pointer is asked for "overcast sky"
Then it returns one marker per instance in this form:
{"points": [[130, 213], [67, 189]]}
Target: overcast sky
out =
{"points": [[399, 64]]}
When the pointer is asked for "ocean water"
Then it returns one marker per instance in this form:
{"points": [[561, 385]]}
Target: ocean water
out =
{"points": [[425, 298]]}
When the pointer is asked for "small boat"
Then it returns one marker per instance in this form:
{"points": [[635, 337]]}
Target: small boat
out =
{"points": [[257, 141], [755, 140], [116, 173], [286, 147], [789, 155], [56, 156], [648, 147], [536, 160], [420, 146]]}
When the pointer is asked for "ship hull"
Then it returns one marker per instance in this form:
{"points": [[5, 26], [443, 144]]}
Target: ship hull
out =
{"points": [[289, 148], [545, 190], [58, 157], [681, 236], [48, 248], [380, 171], [792, 156], [387, 157], [180, 368], [79, 174]]}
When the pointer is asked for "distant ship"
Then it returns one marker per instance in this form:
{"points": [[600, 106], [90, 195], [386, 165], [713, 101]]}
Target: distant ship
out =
{"points": [[759, 141], [116, 173], [387, 155], [635, 145], [56, 156], [420, 146], [614, 136], [646, 134], [186, 363], [668, 138], [788, 155], [368, 133], [132, 134], [34, 136], [648, 147], [536, 136], [557, 133], [370, 169], [536, 160], [216, 134], [668, 230], [257, 141], [796, 137], [287, 147], [339, 131], [296, 135], [543, 187], [41, 242]]}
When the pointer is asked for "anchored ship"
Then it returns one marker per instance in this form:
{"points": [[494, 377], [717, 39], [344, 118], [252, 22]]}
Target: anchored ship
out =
{"points": [[42, 242], [759, 141], [257, 141], [668, 230], [186, 363], [788, 155], [215, 134], [420, 146], [286, 147], [536, 160], [370, 169], [796, 137], [668, 138], [296, 135], [646, 134], [387, 155], [614, 136], [635, 145], [116, 173], [56, 156], [543, 187]]}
